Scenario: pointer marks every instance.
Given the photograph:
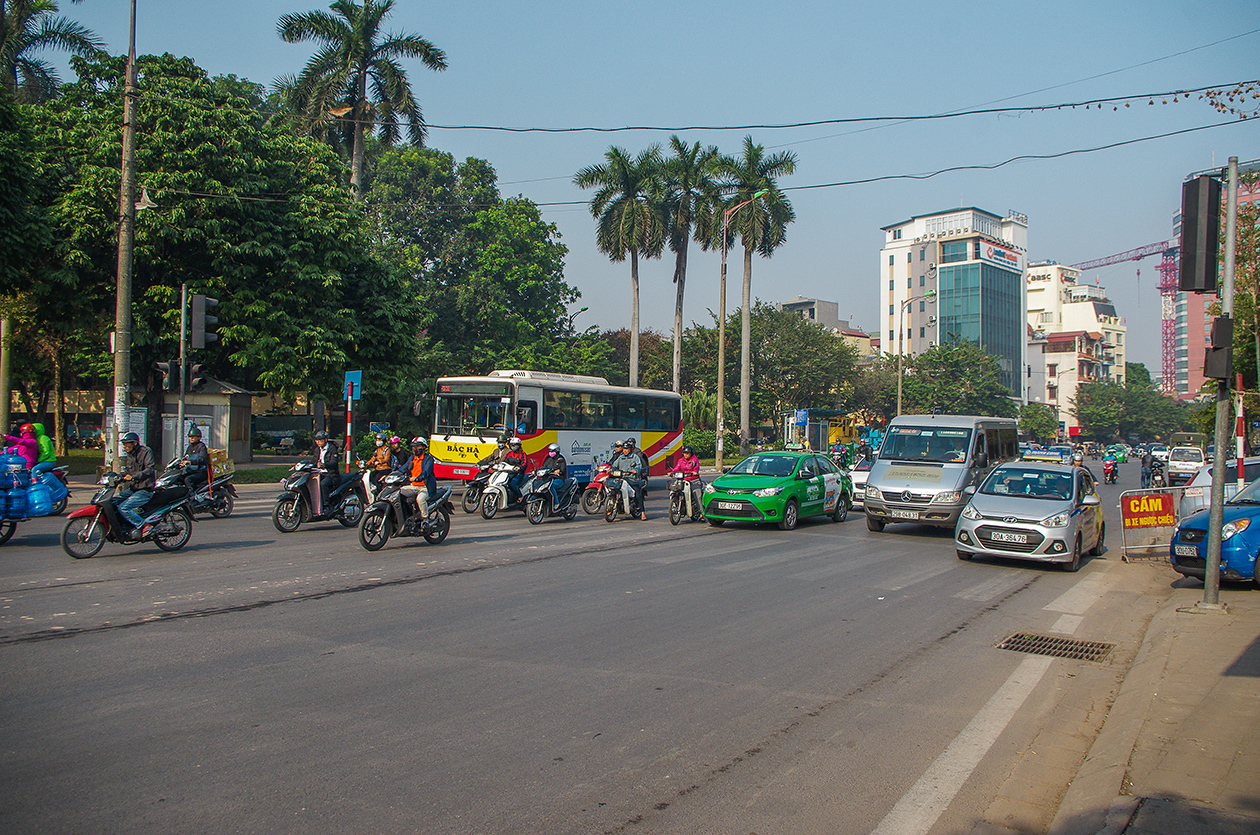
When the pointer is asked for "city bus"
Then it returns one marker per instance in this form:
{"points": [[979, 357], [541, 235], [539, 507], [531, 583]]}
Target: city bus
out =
{"points": [[584, 415]]}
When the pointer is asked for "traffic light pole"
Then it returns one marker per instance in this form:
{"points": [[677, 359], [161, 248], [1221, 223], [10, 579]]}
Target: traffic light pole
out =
{"points": [[183, 366]]}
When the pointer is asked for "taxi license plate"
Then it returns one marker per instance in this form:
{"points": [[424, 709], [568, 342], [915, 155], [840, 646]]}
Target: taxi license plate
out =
{"points": [[1019, 538], [729, 505], [904, 514], [1187, 551]]}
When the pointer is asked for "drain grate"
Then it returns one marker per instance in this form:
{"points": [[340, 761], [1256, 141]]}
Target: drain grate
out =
{"points": [[1057, 647]]}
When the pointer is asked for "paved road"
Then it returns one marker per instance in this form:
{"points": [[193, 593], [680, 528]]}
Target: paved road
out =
{"points": [[571, 677]]}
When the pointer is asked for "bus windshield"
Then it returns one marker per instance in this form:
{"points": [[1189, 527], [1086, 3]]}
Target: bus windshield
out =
{"points": [[943, 445], [472, 408]]}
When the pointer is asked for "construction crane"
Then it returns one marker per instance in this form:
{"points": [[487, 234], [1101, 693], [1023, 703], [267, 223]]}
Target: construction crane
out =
{"points": [[1168, 267]]}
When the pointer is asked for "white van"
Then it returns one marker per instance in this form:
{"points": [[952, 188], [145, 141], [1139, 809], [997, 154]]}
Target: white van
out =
{"points": [[925, 463]]}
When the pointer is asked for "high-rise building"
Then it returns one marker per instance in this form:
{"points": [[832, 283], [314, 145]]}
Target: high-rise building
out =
{"points": [[957, 275]]}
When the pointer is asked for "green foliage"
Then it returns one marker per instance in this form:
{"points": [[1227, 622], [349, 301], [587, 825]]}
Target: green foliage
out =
{"points": [[1098, 408], [796, 364], [1136, 376], [22, 229], [956, 379], [1039, 421], [27, 27]]}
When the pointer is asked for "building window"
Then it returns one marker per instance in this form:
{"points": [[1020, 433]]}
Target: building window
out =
{"points": [[909, 257], [952, 251], [921, 333], [923, 255], [890, 284], [1052, 369], [891, 311], [890, 259], [922, 281], [922, 305], [976, 250], [909, 281], [896, 234], [890, 340]]}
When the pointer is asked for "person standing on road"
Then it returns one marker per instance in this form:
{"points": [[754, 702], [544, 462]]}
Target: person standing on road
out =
{"points": [[1148, 464]]}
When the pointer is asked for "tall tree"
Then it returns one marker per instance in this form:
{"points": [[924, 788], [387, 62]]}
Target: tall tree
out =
{"points": [[690, 195], [334, 83], [957, 379], [630, 219], [762, 228], [28, 26]]}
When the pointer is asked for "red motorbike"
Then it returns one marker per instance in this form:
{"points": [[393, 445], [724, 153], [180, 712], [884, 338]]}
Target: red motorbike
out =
{"points": [[1109, 471], [593, 495]]}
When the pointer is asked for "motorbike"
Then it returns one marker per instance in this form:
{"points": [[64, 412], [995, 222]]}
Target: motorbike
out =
{"points": [[392, 515], [300, 499], [1109, 471], [682, 501], [475, 487], [619, 497], [217, 499], [1158, 479], [499, 493], [593, 495], [167, 519], [538, 501]]}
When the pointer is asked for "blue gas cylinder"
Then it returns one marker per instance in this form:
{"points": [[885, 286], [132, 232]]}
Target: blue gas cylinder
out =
{"points": [[15, 504], [39, 501]]}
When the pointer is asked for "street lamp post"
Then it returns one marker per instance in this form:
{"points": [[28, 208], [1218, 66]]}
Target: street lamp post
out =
{"points": [[930, 296], [721, 371], [573, 316]]}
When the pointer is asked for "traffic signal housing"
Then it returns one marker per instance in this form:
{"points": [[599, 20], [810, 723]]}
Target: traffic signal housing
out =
{"points": [[202, 324], [1200, 234], [196, 377], [170, 373]]}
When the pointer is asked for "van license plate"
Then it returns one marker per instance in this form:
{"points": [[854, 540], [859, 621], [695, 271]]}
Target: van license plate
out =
{"points": [[729, 505], [1018, 538], [904, 514], [1187, 551]]}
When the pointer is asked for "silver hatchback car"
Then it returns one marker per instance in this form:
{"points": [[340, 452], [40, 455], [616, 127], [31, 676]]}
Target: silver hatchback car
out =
{"points": [[1030, 511]]}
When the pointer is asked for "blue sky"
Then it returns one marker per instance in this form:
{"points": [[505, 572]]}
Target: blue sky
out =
{"points": [[694, 62]]}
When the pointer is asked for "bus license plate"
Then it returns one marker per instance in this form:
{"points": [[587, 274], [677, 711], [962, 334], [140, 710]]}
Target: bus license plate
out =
{"points": [[904, 514], [729, 505], [1018, 538], [1187, 551], [463, 472]]}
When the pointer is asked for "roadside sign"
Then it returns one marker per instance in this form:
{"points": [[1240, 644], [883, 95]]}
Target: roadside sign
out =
{"points": [[1149, 518], [354, 378], [378, 427], [802, 417]]}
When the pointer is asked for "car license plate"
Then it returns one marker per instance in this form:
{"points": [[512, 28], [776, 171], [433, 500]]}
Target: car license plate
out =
{"points": [[1186, 550], [729, 505], [1018, 538], [904, 514]]}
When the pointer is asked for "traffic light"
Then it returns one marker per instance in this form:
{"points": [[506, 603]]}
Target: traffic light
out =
{"points": [[170, 373], [1200, 234], [196, 377], [1219, 360], [202, 324]]}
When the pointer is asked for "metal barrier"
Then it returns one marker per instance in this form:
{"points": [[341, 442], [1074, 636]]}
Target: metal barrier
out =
{"points": [[1148, 519]]}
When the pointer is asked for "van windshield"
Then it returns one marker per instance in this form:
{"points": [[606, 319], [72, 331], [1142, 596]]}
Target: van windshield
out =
{"points": [[944, 445]]}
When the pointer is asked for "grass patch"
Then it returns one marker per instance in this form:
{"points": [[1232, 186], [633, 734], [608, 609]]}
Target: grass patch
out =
{"points": [[262, 475], [83, 461]]}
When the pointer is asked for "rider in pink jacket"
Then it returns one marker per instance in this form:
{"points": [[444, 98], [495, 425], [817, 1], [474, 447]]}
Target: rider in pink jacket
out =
{"points": [[26, 445]]}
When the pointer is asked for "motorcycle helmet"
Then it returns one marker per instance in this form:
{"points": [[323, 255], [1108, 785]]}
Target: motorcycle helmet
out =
{"points": [[194, 432], [26, 429], [420, 442], [395, 440], [515, 443], [131, 438], [321, 435], [381, 439], [629, 443], [553, 450], [1078, 459], [688, 451], [502, 442]]}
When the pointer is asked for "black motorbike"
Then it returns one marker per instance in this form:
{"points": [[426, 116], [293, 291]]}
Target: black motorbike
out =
{"points": [[167, 520], [619, 497], [392, 515], [217, 499], [297, 504], [1158, 479], [475, 487], [539, 504], [682, 499]]}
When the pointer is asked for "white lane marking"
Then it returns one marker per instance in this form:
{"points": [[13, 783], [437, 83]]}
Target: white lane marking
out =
{"points": [[1067, 624], [920, 807], [1078, 599], [695, 554], [986, 591], [918, 575]]}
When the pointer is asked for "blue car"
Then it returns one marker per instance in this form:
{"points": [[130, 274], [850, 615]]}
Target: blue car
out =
{"points": [[1240, 539]]}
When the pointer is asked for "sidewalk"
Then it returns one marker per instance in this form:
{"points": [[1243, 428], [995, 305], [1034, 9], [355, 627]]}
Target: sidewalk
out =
{"points": [[1179, 753]]}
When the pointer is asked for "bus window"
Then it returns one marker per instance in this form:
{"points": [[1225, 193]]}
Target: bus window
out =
{"points": [[562, 409], [598, 411], [526, 417], [630, 412], [661, 415]]}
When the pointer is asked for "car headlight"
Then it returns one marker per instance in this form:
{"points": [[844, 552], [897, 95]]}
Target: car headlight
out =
{"points": [[767, 492], [948, 497], [709, 488], [1059, 520], [871, 491], [971, 513], [1236, 526]]}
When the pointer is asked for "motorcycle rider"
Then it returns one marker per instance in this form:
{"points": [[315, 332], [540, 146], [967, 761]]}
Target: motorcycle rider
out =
{"points": [[630, 463], [25, 444], [517, 458], [196, 461], [555, 463], [1148, 463], [645, 466], [381, 461], [139, 478], [47, 453], [419, 469], [500, 453], [325, 456], [689, 465], [397, 454]]}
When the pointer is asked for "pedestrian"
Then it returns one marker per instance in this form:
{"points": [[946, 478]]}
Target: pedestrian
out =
{"points": [[1148, 463]]}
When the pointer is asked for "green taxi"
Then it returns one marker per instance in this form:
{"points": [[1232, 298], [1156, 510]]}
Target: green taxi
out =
{"points": [[779, 487]]}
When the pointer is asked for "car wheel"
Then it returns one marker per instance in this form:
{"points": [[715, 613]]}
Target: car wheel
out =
{"points": [[964, 555], [842, 509], [717, 523], [1099, 546], [791, 515], [1074, 564], [873, 524]]}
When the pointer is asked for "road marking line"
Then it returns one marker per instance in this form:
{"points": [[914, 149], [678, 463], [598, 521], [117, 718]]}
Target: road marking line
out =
{"points": [[912, 577], [760, 562], [1067, 624], [1078, 599], [920, 807]]}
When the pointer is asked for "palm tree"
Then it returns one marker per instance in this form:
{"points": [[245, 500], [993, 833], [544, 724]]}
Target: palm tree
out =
{"points": [[628, 208], [27, 26], [689, 194], [761, 226], [334, 83]]}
